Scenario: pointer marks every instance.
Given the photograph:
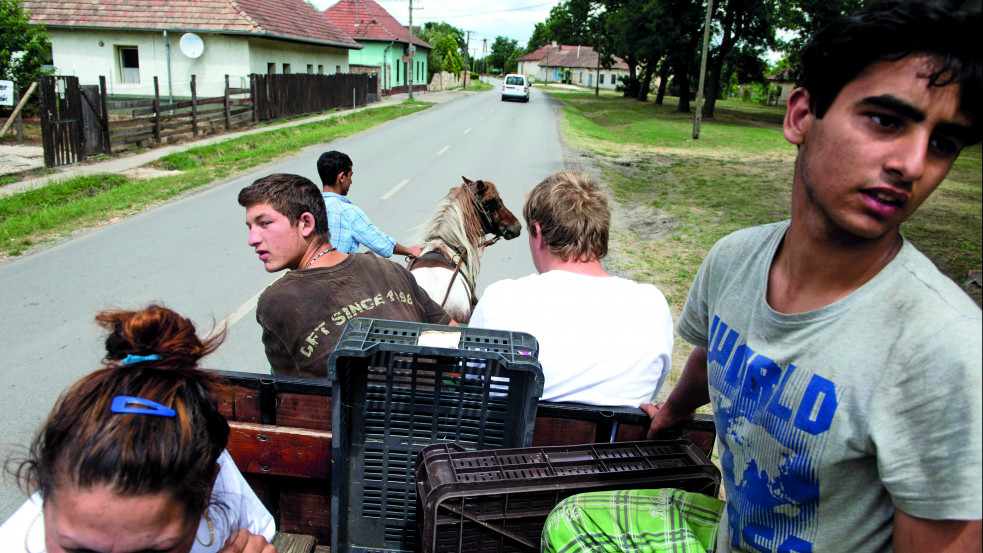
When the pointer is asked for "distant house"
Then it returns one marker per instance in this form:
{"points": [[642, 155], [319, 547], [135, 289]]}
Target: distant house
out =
{"points": [[784, 82], [132, 41], [386, 45], [571, 64]]}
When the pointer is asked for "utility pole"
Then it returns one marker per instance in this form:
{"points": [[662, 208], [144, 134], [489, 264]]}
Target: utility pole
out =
{"points": [[597, 77], [703, 71], [484, 55], [412, 52], [548, 46], [467, 63]]}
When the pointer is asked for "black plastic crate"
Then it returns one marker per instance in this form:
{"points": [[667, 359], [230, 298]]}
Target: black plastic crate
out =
{"points": [[391, 398], [498, 501]]}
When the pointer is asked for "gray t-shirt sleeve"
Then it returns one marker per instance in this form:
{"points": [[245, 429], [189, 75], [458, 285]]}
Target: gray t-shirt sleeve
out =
{"points": [[693, 323], [925, 425]]}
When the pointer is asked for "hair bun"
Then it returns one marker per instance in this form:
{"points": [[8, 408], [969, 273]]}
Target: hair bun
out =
{"points": [[154, 330]]}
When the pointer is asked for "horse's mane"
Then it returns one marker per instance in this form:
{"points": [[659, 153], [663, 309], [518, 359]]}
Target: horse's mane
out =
{"points": [[457, 222]]}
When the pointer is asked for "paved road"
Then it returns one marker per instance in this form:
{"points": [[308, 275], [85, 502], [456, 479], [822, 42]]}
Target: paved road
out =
{"points": [[192, 254]]}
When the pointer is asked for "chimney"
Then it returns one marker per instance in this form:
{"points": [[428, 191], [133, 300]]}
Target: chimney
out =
{"points": [[578, 50]]}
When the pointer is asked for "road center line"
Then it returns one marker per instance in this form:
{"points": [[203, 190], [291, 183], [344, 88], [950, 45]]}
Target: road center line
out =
{"points": [[238, 314], [442, 150], [394, 189], [468, 130]]}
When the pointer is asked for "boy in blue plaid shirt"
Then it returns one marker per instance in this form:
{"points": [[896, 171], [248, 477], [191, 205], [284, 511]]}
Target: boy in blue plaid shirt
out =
{"points": [[348, 224]]}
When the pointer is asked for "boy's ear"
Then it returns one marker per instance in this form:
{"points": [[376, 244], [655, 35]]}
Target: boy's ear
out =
{"points": [[306, 224], [798, 117]]}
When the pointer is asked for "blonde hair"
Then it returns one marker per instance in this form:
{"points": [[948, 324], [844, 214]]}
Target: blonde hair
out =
{"points": [[573, 216]]}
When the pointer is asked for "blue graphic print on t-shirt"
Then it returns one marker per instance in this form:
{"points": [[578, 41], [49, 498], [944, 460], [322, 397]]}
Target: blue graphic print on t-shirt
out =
{"points": [[772, 422]]}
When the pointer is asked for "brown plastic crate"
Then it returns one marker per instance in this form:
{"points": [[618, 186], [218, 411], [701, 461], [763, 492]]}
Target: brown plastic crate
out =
{"points": [[497, 501]]}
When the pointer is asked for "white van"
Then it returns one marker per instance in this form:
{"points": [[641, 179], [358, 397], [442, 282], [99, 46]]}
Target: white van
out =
{"points": [[515, 87]]}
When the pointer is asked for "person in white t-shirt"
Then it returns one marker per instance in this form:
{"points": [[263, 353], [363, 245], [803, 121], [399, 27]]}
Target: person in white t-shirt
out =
{"points": [[603, 340]]}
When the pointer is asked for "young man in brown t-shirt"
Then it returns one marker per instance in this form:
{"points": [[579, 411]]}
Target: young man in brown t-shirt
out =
{"points": [[304, 313]]}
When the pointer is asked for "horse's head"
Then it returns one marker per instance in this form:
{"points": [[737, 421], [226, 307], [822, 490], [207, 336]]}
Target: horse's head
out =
{"points": [[495, 217]]}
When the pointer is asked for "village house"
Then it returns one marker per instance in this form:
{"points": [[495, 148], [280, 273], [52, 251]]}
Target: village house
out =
{"points": [[575, 65], [386, 45], [132, 41]]}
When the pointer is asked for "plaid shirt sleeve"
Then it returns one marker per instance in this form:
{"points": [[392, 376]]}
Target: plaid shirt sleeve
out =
{"points": [[364, 232]]}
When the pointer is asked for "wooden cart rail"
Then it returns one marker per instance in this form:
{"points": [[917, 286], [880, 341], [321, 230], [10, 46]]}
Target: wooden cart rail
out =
{"points": [[281, 441]]}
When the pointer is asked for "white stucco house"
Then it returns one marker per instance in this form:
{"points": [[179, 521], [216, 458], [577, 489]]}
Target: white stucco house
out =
{"points": [[571, 64], [132, 41]]}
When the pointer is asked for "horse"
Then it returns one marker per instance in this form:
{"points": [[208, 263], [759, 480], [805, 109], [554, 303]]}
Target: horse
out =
{"points": [[453, 240]]}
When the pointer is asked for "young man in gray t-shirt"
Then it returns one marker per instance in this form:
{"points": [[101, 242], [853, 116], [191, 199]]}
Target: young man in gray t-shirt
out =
{"points": [[843, 369]]}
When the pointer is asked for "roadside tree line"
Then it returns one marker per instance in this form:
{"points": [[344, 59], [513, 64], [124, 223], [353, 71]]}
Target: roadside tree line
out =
{"points": [[663, 39]]}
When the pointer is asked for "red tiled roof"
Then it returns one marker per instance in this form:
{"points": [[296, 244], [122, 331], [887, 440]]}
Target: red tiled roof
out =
{"points": [[577, 56], [538, 54], [374, 22], [290, 19]]}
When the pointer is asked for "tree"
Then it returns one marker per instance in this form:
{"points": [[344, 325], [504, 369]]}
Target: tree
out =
{"points": [[625, 25], [24, 48], [539, 38], [566, 24], [679, 26], [501, 51], [447, 42], [748, 22], [805, 17]]}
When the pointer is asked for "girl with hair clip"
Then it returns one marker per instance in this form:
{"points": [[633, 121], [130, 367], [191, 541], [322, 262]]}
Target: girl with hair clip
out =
{"points": [[132, 458]]}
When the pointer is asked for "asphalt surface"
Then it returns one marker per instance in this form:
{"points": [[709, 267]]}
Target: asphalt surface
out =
{"points": [[192, 255]]}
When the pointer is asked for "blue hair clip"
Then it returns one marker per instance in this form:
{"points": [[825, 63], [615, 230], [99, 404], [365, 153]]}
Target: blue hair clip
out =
{"points": [[134, 359], [140, 406]]}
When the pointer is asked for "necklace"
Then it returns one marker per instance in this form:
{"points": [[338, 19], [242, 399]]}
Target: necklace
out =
{"points": [[309, 263]]}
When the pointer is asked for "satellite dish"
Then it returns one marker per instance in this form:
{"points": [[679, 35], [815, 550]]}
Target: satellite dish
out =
{"points": [[192, 45]]}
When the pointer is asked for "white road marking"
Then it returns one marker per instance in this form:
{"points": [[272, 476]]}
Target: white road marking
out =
{"points": [[238, 314], [444, 149], [467, 131], [394, 189]]}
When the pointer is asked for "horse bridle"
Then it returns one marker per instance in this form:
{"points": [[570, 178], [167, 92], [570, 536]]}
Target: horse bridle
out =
{"points": [[485, 207]]}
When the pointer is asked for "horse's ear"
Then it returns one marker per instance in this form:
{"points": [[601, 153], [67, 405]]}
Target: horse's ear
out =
{"points": [[466, 180], [480, 186]]}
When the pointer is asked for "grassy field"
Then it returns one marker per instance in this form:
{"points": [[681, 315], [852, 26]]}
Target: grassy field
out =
{"points": [[31, 217], [677, 196]]}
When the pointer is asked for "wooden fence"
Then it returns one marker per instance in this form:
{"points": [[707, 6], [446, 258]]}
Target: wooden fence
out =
{"points": [[83, 120], [288, 95], [61, 120], [151, 119]]}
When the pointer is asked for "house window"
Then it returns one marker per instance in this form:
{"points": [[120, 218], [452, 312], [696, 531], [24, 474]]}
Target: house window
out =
{"points": [[310, 68], [320, 69], [271, 69], [129, 64], [602, 78], [337, 69], [286, 69], [397, 72]]}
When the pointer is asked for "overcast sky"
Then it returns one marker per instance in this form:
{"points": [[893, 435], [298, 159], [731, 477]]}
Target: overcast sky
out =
{"points": [[486, 20]]}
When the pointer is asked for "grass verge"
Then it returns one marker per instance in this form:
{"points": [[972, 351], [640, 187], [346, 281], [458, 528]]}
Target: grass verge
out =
{"points": [[53, 210], [478, 86], [678, 196]]}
